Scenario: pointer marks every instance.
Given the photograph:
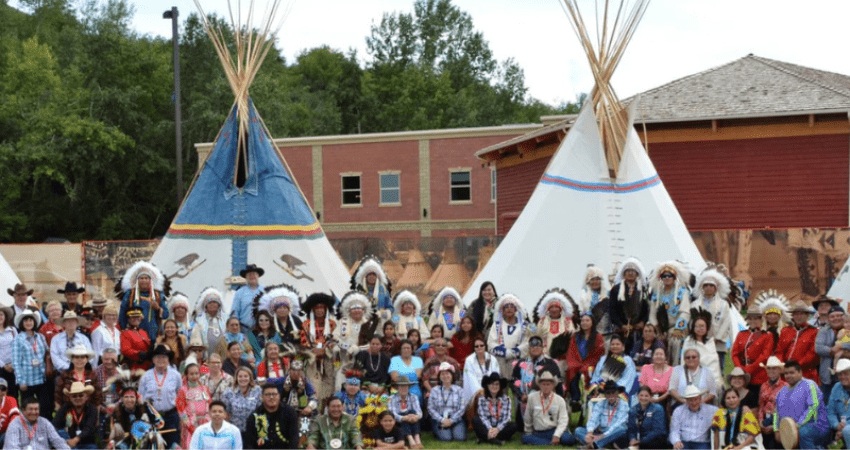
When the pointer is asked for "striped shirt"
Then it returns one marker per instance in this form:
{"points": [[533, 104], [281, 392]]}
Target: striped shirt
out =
{"points": [[691, 426], [23, 358]]}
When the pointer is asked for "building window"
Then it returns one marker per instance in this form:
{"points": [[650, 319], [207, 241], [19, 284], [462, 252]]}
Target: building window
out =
{"points": [[351, 190], [390, 188], [461, 185], [493, 184]]}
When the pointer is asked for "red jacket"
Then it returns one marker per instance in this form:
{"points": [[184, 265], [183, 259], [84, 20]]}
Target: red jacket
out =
{"points": [[799, 345], [750, 350], [8, 410], [577, 366], [134, 342]]}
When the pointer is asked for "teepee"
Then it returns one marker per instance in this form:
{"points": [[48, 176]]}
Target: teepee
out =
{"points": [[416, 273], [8, 280], [840, 289], [600, 199], [450, 272], [245, 206]]}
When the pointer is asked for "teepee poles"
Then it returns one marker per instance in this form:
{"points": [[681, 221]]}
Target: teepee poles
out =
{"points": [[613, 35]]}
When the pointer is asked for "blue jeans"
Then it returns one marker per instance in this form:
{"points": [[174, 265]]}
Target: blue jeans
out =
{"points": [[846, 435], [811, 437], [689, 445], [621, 438], [457, 432], [64, 435], [545, 438], [407, 428]]}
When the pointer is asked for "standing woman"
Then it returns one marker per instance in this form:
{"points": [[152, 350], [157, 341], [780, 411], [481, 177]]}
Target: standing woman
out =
{"points": [[242, 399], [492, 422], [169, 334], [461, 344], [405, 364], [31, 361], [656, 376], [670, 305], [317, 343], [699, 339], [406, 314], [7, 339], [446, 407], [481, 309], [193, 404], [390, 342], [217, 381], [447, 311], [107, 335], [508, 338], [642, 350], [284, 303], [53, 326], [586, 348], [477, 365]]}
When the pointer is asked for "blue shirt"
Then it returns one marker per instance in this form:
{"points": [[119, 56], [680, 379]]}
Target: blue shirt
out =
{"points": [[243, 305], [23, 357], [609, 419], [652, 426], [160, 390], [839, 405]]}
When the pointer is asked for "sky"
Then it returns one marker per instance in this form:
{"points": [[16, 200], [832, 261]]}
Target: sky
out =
{"points": [[676, 38]]}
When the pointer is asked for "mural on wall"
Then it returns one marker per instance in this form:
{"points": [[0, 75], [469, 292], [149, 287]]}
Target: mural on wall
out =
{"points": [[106, 261]]}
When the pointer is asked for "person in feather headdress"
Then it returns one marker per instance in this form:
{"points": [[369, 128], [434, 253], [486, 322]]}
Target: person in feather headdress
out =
{"points": [[144, 286], [595, 290], [714, 288], [670, 304], [407, 315], [508, 339], [210, 320], [357, 322], [553, 316], [317, 342], [615, 367], [284, 305], [178, 308], [371, 278], [628, 308], [446, 310], [774, 308], [129, 410]]}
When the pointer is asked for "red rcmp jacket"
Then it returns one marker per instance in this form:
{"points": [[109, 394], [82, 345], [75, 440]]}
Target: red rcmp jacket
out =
{"points": [[750, 350], [799, 345]]}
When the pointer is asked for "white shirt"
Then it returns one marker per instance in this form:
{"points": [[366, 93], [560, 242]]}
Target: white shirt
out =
{"points": [[103, 338], [60, 343], [7, 337], [228, 437]]}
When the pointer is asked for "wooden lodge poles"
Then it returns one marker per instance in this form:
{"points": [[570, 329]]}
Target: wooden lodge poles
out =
{"points": [[614, 31]]}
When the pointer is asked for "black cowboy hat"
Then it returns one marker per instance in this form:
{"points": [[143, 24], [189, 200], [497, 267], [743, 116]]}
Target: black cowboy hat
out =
{"points": [[822, 299], [318, 298], [71, 287], [162, 349], [251, 268], [493, 376]]}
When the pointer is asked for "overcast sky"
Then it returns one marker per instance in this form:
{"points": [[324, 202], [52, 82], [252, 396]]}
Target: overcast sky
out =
{"points": [[676, 38]]}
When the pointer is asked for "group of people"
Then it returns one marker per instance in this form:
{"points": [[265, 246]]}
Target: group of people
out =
{"points": [[637, 364]]}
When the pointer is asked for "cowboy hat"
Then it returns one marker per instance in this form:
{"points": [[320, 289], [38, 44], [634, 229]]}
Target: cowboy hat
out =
{"points": [[79, 350], [753, 312], [843, 364], [738, 372], [71, 287], [492, 377], [692, 391], [801, 306], [252, 268], [99, 300], [773, 362], [20, 288], [547, 376], [824, 299], [78, 387], [403, 380], [69, 315], [28, 313]]}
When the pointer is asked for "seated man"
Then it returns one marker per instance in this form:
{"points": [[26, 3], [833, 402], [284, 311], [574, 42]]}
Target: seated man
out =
{"points": [[546, 416], [608, 421], [77, 418], [690, 424], [298, 392], [838, 408], [352, 397], [802, 401], [334, 430], [32, 431]]}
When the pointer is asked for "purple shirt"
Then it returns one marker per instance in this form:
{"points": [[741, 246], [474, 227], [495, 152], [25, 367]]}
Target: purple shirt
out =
{"points": [[804, 404]]}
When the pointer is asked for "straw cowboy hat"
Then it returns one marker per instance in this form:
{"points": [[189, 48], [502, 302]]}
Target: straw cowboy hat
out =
{"points": [[69, 315], [773, 362], [801, 306], [196, 342], [79, 350], [403, 380], [738, 372], [28, 313], [692, 391], [78, 387], [20, 288], [547, 376]]}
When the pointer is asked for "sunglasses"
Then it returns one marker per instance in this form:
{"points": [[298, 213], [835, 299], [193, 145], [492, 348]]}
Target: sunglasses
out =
{"points": [[666, 275], [3, 388]]}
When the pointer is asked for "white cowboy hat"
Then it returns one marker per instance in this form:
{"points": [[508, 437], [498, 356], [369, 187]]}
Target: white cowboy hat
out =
{"points": [[79, 350], [692, 391], [843, 364], [28, 313], [773, 362]]}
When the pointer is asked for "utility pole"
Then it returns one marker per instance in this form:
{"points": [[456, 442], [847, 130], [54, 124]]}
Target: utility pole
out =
{"points": [[178, 122]]}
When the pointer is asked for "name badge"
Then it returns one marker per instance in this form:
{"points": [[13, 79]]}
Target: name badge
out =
{"points": [[36, 362], [648, 414]]}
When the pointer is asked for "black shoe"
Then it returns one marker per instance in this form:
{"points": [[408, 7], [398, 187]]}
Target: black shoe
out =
{"points": [[497, 442]]}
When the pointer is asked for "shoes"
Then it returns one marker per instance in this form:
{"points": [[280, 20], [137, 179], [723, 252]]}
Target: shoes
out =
{"points": [[497, 442]]}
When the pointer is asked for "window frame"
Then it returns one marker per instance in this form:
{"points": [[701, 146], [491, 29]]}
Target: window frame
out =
{"points": [[343, 190], [452, 186], [382, 188]]}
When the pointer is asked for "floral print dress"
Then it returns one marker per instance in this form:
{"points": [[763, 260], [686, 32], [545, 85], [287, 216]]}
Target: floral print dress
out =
{"points": [[193, 404]]}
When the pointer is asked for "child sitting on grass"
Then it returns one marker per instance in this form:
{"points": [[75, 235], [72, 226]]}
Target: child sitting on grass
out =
{"points": [[388, 435]]}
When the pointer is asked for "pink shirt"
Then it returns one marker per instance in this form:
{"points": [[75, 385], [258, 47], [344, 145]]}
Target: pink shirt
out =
{"points": [[659, 384]]}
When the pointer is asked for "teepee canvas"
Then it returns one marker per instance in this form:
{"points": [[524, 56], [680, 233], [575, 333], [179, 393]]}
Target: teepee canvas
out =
{"points": [[599, 202], [244, 206], [8, 280], [840, 289]]}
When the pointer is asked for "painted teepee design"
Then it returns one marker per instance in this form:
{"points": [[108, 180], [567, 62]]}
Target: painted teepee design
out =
{"points": [[579, 213], [245, 206]]}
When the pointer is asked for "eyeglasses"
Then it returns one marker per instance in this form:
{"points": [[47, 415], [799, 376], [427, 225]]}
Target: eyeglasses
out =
{"points": [[692, 357], [667, 275]]}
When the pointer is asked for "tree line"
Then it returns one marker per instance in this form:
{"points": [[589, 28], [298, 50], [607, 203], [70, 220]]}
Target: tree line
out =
{"points": [[87, 114]]}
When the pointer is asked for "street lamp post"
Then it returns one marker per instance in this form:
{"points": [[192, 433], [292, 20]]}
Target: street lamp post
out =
{"points": [[172, 14]]}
